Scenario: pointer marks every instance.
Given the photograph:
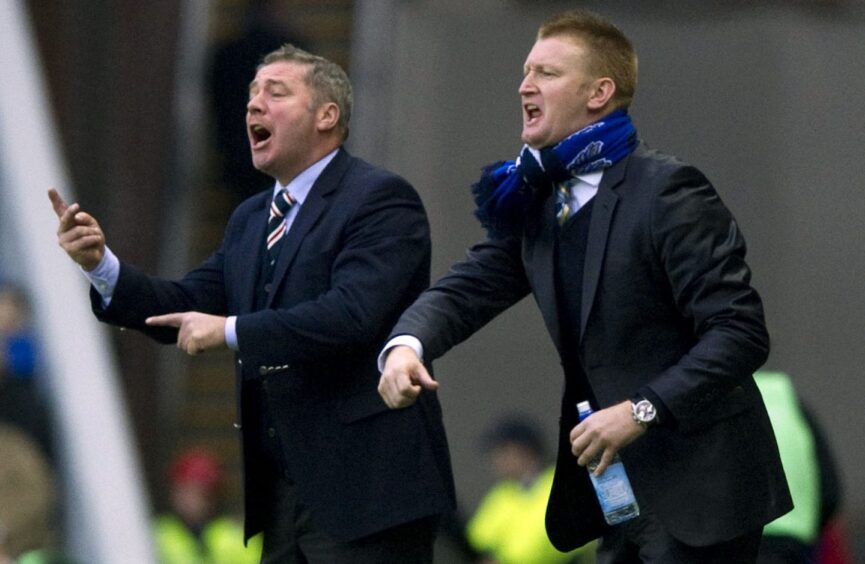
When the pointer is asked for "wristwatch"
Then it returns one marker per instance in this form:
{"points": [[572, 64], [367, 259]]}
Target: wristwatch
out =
{"points": [[644, 413]]}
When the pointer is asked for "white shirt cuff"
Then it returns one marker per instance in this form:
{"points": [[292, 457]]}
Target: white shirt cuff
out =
{"points": [[231, 332], [104, 276], [412, 342]]}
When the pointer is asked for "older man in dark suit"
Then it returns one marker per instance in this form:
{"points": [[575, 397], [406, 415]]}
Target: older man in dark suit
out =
{"points": [[309, 279], [639, 271]]}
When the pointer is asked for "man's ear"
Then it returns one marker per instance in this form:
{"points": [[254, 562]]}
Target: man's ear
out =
{"points": [[327, 116], [600, 93]]}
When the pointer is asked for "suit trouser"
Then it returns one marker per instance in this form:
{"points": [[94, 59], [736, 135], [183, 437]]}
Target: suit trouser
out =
{"points": [[291, 538], [645, 540]]}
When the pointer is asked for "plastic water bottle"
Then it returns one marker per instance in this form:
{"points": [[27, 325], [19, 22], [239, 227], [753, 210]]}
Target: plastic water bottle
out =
{"points": [[612, 487]]}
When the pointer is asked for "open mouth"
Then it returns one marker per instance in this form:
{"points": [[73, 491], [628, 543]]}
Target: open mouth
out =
{"points": [[531, 112], [258, 134]]}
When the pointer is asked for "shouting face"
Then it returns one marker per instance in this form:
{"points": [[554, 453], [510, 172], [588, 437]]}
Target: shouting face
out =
{"points": [[555, 91], [281, 120]]}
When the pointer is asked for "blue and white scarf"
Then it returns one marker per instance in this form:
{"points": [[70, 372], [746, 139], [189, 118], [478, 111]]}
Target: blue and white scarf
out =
{"points": [[507, 189]]}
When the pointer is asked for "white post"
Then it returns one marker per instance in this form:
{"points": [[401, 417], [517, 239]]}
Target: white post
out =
{"points": [[107, 516]]}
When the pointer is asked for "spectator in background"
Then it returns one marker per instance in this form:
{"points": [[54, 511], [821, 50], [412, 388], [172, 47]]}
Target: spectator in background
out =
{"points": [[195, 532], [231, 69], [27, 500], [16, 332], [811, 472], [22, 403], [508, 525]]}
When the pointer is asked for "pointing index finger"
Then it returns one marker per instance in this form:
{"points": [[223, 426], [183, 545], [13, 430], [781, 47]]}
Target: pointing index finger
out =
{"points": [[65, 212], [167, 320], [424, 380], [57, 202]]}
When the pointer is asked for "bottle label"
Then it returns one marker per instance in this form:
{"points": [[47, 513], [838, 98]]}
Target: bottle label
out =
{"points": [[613, 488]]}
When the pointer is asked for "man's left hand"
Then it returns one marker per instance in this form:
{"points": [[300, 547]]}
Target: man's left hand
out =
{"points": [[197, 332], [603, 434]]}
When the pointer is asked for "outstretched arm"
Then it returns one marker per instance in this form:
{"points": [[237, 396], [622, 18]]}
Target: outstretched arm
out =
{"points": [[80, 235], [489, 281]]}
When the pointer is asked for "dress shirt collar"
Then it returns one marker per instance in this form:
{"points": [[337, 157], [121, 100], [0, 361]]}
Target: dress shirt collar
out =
{"points": [[584, 187], [300, 186], [592, 178]]}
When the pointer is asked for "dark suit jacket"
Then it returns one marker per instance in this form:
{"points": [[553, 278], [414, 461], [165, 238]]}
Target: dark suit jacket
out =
{"points": [[357, 254], [667, 309]]}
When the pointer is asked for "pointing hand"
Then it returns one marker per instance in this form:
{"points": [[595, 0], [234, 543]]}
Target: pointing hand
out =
{"points": [[78, 233]]}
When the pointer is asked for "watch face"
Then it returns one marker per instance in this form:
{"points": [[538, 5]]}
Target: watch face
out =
{"points": [[644, 411]]}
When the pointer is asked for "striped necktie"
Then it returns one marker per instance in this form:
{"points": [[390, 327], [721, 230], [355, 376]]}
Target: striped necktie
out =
{"points": [[280, 205], [563, 201]]}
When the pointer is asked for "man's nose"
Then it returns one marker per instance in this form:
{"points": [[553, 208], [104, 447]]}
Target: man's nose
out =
{"points": [[527, 85], [254, 104]]}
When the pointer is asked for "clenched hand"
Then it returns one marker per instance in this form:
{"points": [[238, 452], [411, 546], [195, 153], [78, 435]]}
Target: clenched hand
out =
{"points": [[404, 377]]}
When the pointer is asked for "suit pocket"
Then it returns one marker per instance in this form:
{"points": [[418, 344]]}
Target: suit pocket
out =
{"points": [[361, 406]]}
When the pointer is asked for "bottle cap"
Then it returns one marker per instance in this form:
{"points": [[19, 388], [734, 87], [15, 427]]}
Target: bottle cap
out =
{"points": [[584, 409]]}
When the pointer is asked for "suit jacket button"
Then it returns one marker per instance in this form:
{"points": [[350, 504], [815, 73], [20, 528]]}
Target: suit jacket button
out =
{"points": [[268, 287], [271, 432], [262, 370]]}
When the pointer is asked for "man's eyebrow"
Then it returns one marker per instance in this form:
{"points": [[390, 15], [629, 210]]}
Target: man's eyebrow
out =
{"points": [[537, 67], [267, 82]]}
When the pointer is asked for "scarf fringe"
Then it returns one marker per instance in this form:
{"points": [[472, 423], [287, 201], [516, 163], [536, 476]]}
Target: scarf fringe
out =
{"points": [[501, 200]]}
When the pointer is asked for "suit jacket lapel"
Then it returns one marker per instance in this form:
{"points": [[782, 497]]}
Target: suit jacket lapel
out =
{"points": [[252, 243], [599, 229], [314, 205], [540, 246]]}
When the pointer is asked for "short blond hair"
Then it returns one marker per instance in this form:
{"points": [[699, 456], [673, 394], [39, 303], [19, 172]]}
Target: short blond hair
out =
{"points": [[611, 53]]}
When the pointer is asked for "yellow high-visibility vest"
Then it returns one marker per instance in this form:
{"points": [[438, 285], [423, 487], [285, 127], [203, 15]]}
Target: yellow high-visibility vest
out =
{"points": [[509, 525], [798, 455], [221, 543]]}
